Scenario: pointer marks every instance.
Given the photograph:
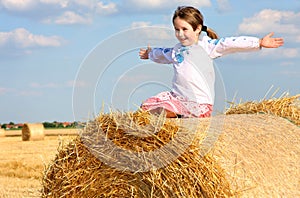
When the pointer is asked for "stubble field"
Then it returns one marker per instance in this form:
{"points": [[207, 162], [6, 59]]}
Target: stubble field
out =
{"points": [[22, 164]]}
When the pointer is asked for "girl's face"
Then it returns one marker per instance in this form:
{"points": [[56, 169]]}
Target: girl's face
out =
{"points": [[184, 32]]}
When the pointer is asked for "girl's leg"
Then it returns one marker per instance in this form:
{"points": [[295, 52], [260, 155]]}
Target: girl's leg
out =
{"points": [[163, 102], [170, 114]]}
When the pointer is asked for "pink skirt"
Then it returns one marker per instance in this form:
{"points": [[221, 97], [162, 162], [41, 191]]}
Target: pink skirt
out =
{"points": [[177, 104]]}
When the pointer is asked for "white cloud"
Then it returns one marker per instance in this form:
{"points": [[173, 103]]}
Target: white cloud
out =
{"points": [[20, 42], [61, 3], [161, 4], [285, 24], [158, 31], [297, 38], [145, 30], [77, 83], [18, 5], [290, 73], [138, 24], [281, 22], [79, 11], [280, 53], [55, 85], [223, 5], [29, 93], [69, 17], [107, 9], [101, 7], [86, 3], [290, 52], [147, 5], [16, 92], [196, 3], [287, 63], [69, 11], [26, 5], [4, 90], [21, 38], [47, 85]]}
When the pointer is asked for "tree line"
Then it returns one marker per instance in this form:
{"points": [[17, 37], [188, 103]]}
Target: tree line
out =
{"points": [[55, 124]]}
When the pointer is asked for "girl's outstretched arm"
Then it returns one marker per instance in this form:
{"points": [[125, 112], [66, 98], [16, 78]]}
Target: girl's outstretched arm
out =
{"points": [[269, 42], [229, 45], [158, 55]]}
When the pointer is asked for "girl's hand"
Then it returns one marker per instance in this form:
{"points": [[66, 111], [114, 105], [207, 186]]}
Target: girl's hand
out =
{"points": [[144, 53], [269, 42]]}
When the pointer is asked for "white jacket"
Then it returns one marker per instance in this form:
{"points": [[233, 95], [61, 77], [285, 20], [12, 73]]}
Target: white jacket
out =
{"points": [[194, 75]]}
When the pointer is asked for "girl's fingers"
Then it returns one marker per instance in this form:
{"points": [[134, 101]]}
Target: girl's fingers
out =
{"points": [[143, 54], [270, 34]]}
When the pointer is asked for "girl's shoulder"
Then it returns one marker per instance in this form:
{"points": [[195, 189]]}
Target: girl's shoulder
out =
{"points": [[204, 39]]}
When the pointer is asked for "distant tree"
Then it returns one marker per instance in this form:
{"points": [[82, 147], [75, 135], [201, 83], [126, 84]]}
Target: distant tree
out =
{"points": [[49, 125], [74, 124], [60, 125], [11, 123]]}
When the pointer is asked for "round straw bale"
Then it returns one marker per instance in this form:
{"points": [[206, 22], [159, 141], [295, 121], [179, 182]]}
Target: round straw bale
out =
{"points": [[255, 156], [2, 133], [261, 155], [77, 172], [287, 107], [33, 132]]}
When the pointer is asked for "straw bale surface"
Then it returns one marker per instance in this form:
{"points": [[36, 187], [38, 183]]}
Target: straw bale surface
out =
{"points": [[77, 172], [255, 156], [287, 107], [33, 132], [260, 155]]}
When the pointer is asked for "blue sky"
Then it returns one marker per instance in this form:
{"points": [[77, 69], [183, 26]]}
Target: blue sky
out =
{"points": [[46, 44]]}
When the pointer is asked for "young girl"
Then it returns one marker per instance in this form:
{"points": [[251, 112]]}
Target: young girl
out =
{"points": [[192, 92]]}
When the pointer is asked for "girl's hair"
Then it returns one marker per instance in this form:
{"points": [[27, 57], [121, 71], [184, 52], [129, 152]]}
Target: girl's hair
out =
{"points": [[194, 17]]}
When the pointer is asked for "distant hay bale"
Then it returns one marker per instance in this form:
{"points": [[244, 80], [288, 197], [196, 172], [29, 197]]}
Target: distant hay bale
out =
{"points": [[33, 132], [2, 133], [255, 155]]}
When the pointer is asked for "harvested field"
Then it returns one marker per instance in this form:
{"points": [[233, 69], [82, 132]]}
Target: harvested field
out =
{"points": [[22, 164], [48, 132], [2, 133]]}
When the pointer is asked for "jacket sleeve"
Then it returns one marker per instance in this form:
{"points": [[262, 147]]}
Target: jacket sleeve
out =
{"points": [[229, 45], [161, 55]]}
